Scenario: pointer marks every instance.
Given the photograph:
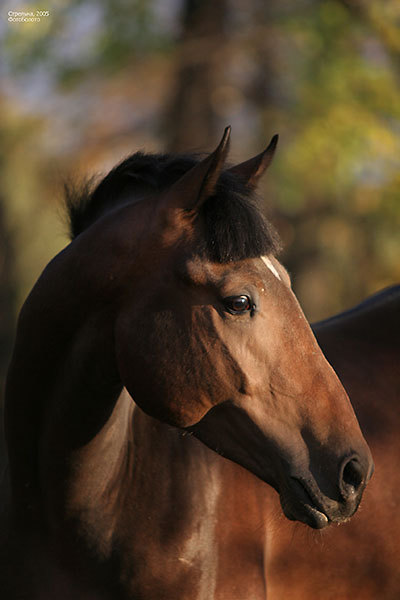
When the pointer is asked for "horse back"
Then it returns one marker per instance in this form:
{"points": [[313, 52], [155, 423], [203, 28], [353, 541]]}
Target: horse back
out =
{"points": [[363, 346]]}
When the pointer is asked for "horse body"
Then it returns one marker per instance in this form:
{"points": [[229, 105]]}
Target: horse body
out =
{"points": [[154, 342], [360, 560]]}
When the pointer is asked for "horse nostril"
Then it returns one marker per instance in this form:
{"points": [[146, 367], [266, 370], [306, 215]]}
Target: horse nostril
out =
{"points": [[353, 477]]}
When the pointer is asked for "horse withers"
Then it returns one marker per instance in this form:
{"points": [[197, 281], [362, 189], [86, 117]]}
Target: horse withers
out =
{"points": [[168, 320]]}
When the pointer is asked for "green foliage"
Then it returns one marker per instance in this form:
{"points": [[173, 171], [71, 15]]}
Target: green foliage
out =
{"points": [[338, 180]]}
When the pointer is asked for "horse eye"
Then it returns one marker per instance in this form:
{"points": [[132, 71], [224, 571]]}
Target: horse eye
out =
{"points": [[238, 304]]}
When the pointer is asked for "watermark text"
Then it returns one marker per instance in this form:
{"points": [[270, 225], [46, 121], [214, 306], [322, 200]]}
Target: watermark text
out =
{"points": [[31, 16]]}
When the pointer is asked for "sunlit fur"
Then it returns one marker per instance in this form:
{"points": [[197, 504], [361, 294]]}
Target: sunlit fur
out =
{"points": [[360, 560]]}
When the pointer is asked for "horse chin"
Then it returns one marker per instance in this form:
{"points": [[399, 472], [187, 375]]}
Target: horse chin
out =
{"points": [[307, 514], [298, 504]]}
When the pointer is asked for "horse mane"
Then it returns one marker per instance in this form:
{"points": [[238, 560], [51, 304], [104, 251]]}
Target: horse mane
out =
{"points": [[234, 227]]}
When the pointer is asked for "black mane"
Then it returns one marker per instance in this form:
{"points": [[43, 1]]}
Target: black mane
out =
{"points": [[235, 228]]}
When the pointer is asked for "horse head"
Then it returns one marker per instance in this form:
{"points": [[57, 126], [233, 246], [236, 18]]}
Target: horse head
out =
{"points": [[210, 338]]}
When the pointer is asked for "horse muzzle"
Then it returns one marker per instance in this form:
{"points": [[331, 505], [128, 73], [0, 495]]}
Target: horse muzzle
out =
{"points": [[302, 499]]}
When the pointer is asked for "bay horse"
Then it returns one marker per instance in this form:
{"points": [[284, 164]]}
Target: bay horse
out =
{"points": [[362, 559], [161, 342]]}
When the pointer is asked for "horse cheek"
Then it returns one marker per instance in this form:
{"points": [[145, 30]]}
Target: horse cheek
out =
{"points": [[169, 390]]}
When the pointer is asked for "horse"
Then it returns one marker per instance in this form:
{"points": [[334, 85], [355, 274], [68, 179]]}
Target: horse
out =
{"points": [[163, 378], [360, 560]]}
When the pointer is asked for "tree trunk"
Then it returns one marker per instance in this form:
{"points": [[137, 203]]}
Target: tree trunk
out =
{"points": [[191, 122]]}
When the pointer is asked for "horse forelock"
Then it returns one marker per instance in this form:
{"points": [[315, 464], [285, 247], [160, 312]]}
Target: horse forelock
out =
{"points": [[234, 227]]}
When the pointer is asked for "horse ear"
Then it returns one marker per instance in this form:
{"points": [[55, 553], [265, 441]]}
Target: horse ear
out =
{"points": [[199, 183], [251, 170]]}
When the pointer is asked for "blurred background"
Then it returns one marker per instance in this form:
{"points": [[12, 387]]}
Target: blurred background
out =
{"points": [[95, 81]]}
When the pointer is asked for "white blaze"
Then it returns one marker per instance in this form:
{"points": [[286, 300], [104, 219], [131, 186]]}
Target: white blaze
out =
{"points": [[270, 266]]}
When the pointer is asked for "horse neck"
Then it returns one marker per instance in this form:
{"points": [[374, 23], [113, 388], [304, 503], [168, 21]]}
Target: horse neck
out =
{"points": [[192, 507], [62, 378]]}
